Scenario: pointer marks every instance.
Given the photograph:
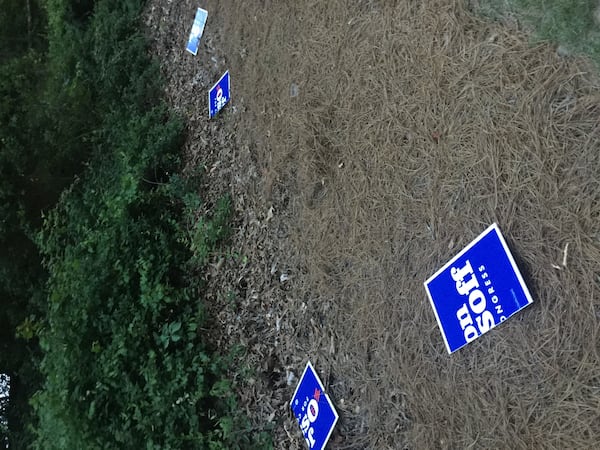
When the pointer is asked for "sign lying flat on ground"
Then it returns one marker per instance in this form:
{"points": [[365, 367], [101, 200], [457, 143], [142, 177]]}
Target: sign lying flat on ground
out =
{"points": [[219, 95], [197, 30], [477, 290], [313, 409]]}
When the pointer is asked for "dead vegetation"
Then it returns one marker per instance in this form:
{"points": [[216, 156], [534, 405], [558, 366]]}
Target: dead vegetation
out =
{"points": [[412, 126]]}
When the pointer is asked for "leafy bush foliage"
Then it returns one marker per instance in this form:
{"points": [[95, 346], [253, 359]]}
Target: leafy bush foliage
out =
{"points": [[126, 359], [125, 354]]}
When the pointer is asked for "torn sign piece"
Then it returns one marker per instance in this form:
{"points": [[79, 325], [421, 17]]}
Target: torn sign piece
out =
{"points": [[197, 30]]}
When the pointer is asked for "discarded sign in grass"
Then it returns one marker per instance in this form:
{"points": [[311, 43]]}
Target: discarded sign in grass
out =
{"points": [[197, 30], [477, 290], [313, 409]]}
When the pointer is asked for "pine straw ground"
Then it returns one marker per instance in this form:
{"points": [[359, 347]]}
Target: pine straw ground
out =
{"points": [[415, 126]]}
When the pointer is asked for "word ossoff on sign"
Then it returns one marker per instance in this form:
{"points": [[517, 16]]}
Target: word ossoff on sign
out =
{"points": [[313, 409], [478, 289]]}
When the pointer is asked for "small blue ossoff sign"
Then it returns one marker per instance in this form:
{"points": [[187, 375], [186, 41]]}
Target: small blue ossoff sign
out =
{"points": [[313, 409], [478, 289], [219, 95], [197, 30]]}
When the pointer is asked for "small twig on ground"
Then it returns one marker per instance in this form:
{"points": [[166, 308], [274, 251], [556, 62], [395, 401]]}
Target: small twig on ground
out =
{"points": [[564, 261]]}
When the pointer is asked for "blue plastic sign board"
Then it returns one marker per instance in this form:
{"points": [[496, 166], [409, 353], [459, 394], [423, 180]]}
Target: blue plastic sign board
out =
{"points": [[197, 30], [313, 409], [219, 95], [477, 290]]}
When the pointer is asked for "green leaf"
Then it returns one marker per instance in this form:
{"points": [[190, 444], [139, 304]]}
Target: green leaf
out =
{"points": [[175, 326]]}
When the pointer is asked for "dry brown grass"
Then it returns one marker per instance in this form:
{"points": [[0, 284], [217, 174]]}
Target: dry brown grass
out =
{"points": [[416, 126]]}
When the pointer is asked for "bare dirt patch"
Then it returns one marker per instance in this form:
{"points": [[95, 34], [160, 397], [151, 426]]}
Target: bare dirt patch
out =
{"points": [[415, 125]]}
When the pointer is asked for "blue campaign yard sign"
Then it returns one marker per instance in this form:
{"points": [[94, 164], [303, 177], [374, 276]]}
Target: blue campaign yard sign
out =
{"points": [[478, 289], [313, 409], [197, 30], [219, 95]]}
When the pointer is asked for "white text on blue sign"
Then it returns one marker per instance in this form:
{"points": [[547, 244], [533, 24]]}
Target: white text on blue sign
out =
{"points": [[478, 289], [313, 409], [219, 95]]}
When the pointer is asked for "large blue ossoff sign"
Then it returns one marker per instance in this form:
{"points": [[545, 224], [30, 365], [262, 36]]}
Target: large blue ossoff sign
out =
{"points": [[478, 289], [313, 409], [219, 95]]}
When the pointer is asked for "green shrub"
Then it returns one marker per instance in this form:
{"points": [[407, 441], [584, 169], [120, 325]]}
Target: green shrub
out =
{"points": [[127, 360], [205, 234]]}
